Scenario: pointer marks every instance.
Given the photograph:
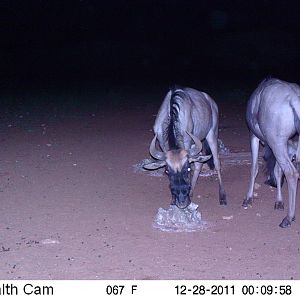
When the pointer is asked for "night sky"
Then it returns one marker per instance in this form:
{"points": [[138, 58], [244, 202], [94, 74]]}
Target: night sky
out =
{"points": [[147, 42]]}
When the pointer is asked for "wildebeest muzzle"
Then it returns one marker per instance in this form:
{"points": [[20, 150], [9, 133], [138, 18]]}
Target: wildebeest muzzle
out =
{"points": [[180, 190]]}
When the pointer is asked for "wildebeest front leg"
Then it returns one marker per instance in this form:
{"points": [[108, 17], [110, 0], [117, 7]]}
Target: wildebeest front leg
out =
{"points": [[197, 170], [278, 175], [213, 145], [254, 142]]}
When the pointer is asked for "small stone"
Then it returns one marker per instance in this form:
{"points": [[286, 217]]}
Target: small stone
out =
{"points": [[227, 217], [257, 186], [49, 241]]}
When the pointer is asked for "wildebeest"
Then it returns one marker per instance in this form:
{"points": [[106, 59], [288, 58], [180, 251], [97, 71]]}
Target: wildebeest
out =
{"points": [[273, 117], [186, 118]]}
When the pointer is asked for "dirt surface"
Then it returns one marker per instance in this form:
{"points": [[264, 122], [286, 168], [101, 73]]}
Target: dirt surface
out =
{"points": [[73, 206]]}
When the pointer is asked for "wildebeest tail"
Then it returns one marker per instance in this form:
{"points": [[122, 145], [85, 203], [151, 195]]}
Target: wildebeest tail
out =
{"points": [[270, 162], [207, 151], [296, 119], [296, 109]]}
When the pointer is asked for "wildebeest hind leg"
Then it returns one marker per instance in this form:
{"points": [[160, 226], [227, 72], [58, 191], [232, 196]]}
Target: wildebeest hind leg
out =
{"points": [[254, 141], [278, 176], [291, 176]]}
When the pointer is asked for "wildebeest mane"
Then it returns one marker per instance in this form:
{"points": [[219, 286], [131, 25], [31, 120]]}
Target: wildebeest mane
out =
{"points": [[173, 132], [265, 81]]}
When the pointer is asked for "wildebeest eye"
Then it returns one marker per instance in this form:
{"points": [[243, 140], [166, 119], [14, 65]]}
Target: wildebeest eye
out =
{"points": [[167, 171], [189, 169]]}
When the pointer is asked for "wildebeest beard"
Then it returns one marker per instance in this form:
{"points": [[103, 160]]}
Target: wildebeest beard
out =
{"points": [[180, 186]]}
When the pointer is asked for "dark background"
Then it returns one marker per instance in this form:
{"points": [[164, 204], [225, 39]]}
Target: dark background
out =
{"points": [[66, 44]]}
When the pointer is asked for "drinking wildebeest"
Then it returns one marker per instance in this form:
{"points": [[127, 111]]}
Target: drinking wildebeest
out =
{"points": [[273, 117], [185, 118]]}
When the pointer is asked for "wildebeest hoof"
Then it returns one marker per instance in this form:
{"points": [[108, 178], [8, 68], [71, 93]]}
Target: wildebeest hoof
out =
{"points": [[223, 202], [279, 205], [247, 203], [286, 222]]}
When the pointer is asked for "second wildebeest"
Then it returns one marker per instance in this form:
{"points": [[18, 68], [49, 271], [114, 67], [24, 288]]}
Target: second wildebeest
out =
{"points": [[187, 121], [273, 117]]}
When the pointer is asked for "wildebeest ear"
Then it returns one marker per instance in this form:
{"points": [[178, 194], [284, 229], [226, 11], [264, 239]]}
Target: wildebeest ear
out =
{"points": [[154, 165], [200, 158]]}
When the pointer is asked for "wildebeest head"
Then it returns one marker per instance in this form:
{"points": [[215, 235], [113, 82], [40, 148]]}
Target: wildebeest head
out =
{"points": [[178, 168]]}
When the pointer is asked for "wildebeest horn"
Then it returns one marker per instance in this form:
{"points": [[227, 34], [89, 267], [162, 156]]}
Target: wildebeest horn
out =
{"points": [[154, 152], [198, 145]]}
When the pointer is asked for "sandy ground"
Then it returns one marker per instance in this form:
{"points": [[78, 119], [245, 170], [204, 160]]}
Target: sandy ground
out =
{"points": [[74, 207]]}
